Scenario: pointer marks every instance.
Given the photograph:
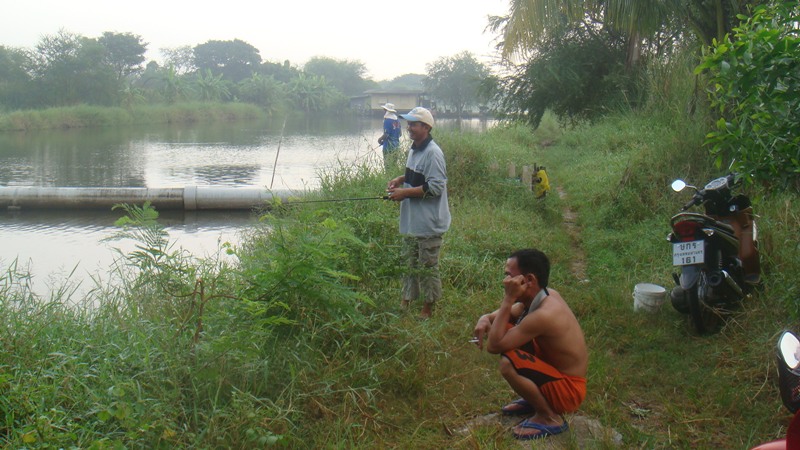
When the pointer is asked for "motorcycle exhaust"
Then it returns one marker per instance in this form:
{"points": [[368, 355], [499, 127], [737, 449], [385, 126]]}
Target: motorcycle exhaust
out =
{"points": [[723, 280]]}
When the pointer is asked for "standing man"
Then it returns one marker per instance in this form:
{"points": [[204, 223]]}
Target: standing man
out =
{"points": [[544, 355], [390, 139], [424, 211]]}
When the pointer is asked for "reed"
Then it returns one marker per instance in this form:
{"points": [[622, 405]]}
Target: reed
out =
{"points": [[85, 116]]}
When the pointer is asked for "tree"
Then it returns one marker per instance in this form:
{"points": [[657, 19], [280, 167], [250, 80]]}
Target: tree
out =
{"points": [[312, 93], [14, 79], [578, 73], [264, 91], [180, 58], [713, 20], [281, 72], [124, 53], [755, 88], [637, 20], [347, 76], [455, 81], [234, 60], [173, 86], [68, 69], [409, 81]]}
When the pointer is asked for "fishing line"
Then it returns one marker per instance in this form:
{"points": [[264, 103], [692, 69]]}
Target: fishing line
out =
{"points": [[275, 164]]}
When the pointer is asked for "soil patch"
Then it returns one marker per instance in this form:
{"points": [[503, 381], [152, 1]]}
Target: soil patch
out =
{"points": [[583, 431], [570, 218]]}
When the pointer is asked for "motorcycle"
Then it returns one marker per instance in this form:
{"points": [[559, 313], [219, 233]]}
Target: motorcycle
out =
{"points": [[717, 252], [789, 383]]}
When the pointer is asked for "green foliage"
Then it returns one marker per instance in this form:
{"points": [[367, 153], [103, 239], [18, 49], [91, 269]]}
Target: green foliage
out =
{"points": [[454, 81], [577, 73], [408, 81], [235, 60], [264, 91], [210, 87], [346, 76], [68, 69], [755, 89], [95, 116], [313, 93], [13, 78], [299, 271], [124, 52], [642, 23]]}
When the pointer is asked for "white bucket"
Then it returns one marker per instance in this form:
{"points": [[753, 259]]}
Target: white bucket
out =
{"points": [[648, 297]]}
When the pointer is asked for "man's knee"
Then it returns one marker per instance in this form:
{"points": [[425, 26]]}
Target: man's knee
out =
{"points": [[506, 368]]}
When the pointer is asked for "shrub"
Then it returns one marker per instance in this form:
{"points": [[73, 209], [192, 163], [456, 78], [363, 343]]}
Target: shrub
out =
{"points": [[755, 88]]}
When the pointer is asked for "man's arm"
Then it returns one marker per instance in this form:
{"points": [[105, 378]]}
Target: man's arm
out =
{"points": [[482, 327], [400, 194], [501, 338], [485, 322], [533, 325]]}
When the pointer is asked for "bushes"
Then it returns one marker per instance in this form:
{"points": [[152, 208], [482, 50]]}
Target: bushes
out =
{"points": [[755, 88]]}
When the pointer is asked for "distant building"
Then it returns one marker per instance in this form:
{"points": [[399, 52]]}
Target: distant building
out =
{"points": [[404, 100]]}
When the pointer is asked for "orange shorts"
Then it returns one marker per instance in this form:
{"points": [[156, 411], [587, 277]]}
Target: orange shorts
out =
{"points": [[564, 393]]}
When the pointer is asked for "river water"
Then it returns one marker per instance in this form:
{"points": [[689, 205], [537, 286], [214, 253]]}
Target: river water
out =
{"points": [[67, 247]]}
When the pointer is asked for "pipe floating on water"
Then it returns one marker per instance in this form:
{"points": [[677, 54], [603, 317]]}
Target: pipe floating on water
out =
{"points": [[189, 198]]}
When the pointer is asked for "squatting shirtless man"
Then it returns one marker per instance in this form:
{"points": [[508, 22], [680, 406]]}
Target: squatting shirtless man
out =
{"points": [[544, 352]]}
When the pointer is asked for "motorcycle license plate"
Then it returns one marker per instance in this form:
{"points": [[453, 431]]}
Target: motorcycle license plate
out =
{"points": [[688, 253]]}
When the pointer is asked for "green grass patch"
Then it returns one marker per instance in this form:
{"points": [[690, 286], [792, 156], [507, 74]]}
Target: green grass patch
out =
{"points": [[85, 116]]}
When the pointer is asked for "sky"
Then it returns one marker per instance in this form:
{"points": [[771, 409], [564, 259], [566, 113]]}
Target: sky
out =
{"points": [[391, 38]]}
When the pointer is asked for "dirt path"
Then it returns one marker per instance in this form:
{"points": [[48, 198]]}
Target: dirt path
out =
{"points": [[578, 264]]}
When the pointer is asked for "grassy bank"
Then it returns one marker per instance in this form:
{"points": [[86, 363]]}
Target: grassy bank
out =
{"points": [[84, 116], [304, 343]]}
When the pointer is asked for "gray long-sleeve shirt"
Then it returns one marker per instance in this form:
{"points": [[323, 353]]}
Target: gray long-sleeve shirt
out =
{"points": [[428, 215]]}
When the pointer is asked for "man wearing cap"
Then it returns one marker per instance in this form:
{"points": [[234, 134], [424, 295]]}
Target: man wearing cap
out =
{"points": [[424, 211], [390, 139]]}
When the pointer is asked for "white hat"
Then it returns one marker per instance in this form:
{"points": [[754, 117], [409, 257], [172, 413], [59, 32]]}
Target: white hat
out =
{"points": [[419, 114], [389, 107]]}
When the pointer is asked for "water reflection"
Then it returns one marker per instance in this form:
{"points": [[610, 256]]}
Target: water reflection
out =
{"points": [[59, 246]]}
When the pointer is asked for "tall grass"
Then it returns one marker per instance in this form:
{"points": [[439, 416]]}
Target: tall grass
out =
{"points": [[84, 116], [303, 343]]}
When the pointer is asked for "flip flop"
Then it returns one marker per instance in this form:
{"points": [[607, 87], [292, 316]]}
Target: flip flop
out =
{"points": [[511, 409], [544, 430]]}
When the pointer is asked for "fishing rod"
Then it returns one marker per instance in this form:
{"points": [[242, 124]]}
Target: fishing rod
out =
{"points": [[384, 197]]}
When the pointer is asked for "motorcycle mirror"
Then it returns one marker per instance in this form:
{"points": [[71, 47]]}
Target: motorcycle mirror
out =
{"points": [[678, 185], [789, 347]]}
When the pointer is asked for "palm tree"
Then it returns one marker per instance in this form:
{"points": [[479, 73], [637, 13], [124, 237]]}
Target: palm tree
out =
{"points": [[529, 20]]}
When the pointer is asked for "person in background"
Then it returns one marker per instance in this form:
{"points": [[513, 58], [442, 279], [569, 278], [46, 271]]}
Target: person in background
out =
{"points": [[544, 354], [390, 139], [424, 211], [541, 183]]}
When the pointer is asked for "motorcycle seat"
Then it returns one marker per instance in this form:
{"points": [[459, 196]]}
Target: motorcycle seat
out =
{"points": [[706, 220]]}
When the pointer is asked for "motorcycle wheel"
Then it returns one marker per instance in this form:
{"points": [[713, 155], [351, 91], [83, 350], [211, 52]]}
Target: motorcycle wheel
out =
{"points": [[705, 318]]}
